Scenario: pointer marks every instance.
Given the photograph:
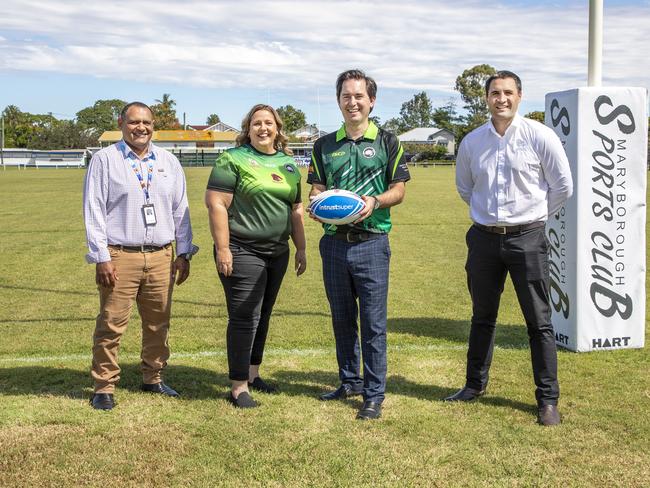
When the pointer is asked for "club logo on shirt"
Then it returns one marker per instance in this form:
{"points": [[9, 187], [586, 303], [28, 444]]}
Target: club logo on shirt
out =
{"points": [[369, 152], [253, 163], [289, 168], [276, 177]]}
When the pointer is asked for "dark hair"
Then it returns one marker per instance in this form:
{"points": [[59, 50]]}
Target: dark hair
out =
{"points": [[356, 74], [126, 108], [502, 75], [281, 140]]}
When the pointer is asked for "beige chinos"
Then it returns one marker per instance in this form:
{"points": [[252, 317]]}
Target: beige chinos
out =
{"points": [[146, 278]]}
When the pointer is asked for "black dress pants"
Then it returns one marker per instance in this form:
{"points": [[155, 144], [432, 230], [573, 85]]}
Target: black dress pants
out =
{"points": [[525, 256], [250, 292]]}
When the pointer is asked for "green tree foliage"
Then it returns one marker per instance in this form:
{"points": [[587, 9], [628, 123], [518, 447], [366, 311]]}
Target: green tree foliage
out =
{"points": [[446, 117], [164, 113], [537, 115], [425, 152], [292, 118], [212, 119], [471, 86], [101, 116], [417, 112], [393, 125], [43, 131]]}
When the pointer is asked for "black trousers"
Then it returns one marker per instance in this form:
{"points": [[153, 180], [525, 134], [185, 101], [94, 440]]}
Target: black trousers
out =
{"points": [[250, 292], [525, 256]]}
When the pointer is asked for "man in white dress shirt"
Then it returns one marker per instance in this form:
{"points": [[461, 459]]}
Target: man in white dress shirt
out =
{"points": [[513, 173], [135, 205]]}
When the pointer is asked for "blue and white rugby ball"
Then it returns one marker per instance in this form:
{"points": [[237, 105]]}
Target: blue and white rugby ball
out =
{"points": [[338, 207]]}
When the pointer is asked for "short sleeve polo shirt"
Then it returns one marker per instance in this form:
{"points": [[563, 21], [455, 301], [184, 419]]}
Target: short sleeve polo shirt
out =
{"points": [[366, 166], [264, 189]]}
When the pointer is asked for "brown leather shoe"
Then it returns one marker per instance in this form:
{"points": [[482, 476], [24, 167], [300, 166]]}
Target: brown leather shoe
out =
{"points": [[548, 415], [465, 394]]}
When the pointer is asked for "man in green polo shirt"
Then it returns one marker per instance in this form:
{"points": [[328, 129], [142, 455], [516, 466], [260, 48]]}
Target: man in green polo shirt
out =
{"points": [[369, 161]]}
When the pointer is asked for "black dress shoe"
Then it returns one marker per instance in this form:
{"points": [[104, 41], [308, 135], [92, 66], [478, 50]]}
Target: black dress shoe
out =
{"points": [[369, 411], [243, 400], [343, 391], [465, 394], [258, 384], [102, 401], [160, 388], [548, 415]]}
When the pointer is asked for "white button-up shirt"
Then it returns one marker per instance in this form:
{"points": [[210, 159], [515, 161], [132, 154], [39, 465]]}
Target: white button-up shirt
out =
{"points": [[113, 200], [514, 179]]}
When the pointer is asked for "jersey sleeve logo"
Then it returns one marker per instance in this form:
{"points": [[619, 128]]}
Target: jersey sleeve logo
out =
{"points": [[289, 168], [369, 152]]}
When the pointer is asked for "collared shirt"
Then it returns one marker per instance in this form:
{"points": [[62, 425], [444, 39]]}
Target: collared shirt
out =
{"points": [[113, 199], [514, 179], [366, 166]]}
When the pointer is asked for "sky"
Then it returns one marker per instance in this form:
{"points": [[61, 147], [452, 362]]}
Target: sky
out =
{"points": [[225, 56]]}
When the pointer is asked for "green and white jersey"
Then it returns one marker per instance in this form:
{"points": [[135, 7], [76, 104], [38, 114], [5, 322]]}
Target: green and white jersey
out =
{"points": [[366, 166], [265, 188]]}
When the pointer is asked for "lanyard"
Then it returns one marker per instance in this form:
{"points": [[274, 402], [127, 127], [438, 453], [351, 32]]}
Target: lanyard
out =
{"points": [[145, 187]]}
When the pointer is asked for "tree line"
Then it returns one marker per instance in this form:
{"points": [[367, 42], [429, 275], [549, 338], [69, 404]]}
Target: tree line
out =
{"points": [[44, 131]]}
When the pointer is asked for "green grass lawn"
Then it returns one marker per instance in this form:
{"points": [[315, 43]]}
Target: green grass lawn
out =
{"points": [[49, 435]]}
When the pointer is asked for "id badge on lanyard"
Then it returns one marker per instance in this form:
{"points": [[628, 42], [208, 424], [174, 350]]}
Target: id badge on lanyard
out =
{"points": [[149, 213], [148, 210]]}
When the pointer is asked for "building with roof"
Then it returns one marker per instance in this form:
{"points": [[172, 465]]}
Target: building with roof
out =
{"points": [[181, 139], [430, 135], [308, 133], [218, 127]]}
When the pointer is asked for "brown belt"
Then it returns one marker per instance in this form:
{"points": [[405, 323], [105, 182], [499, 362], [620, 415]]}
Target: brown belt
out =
{"points": [[143, 248], [509, 229]]}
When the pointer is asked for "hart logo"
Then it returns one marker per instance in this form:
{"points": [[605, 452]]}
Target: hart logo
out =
{"points": [[276, 177], [369, 152], [614, 342], [561, 339]]}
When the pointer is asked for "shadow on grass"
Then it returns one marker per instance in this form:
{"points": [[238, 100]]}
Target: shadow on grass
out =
{"points": [[192, 383], [509, 336], [201, 384], [310, 383]]}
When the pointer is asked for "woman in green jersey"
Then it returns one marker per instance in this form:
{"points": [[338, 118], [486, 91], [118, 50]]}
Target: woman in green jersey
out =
{"points": [[254, 206]]}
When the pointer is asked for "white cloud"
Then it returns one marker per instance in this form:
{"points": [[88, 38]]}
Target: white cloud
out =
{"points": [[283, 44]]}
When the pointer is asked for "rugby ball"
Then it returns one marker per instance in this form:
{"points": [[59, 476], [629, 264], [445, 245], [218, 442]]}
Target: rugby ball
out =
{"points": [[338, 207]]}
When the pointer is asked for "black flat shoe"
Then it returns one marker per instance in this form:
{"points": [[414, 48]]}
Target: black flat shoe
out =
{"points": [[369, 411], [160, 388], [342, 392], [548, 415], [258, 384], [465, 394], [244, 400], [102, 401]]}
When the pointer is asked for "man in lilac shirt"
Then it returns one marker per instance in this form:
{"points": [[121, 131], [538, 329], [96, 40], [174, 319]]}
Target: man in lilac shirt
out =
{"points": [[135, 205], [513, 173]]}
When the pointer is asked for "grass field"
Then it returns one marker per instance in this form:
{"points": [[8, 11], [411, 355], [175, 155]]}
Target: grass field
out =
{"points": [[49, 435]]}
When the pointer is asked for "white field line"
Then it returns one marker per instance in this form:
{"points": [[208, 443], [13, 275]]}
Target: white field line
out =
{"points": [[278, 352]]}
